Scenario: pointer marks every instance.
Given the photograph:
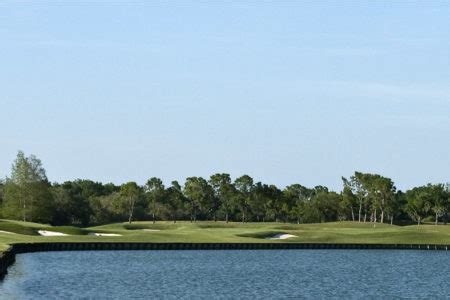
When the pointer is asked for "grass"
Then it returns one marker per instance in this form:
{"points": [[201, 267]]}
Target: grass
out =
{"points": [[334, 232]]}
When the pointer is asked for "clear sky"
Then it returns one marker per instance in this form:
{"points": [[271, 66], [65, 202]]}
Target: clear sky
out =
{"points": [[285, 91]]}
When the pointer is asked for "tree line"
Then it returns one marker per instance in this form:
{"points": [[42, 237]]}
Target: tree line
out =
{"points": [[29, 196]]}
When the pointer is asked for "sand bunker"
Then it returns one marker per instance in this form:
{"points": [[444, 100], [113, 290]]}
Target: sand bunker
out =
{"points": [[104, 234], [151, 230], [281, 236], [8, 232], [50, 233]]}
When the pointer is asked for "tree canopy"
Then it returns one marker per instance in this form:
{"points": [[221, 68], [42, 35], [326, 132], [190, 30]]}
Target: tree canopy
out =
{"points": [[28, 195]]}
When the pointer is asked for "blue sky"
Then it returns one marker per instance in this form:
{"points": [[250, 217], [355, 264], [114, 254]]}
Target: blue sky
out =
{"points": [[285, 91]]}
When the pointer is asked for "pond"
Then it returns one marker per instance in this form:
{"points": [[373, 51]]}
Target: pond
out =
{"points": [[229, 274]]}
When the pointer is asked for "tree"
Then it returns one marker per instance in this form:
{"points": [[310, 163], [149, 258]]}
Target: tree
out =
{"points": [[257, 200], [174, 201], [438, 199], [244, 187], [418, 204], [223, 193], [154, 189], [297, 195], [327, 205], [200, 195], [27, 192], [348, 201], [72, 201], [130, 193], [357, 187], [107, 208], [382, 190]]}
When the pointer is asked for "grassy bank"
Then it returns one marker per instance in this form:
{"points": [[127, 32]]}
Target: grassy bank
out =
{"points": [[337, 232]]}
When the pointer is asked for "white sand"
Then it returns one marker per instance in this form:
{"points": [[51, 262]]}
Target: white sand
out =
{"points": [[151, 230], [104, 234], [281, 236], [50, 233], [8, 232]]}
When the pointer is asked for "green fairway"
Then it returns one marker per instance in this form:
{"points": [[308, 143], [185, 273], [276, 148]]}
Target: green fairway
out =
{"points": [[214, 232]]}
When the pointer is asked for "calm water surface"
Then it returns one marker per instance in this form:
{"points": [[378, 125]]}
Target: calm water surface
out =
{"points": [[229, 274]]}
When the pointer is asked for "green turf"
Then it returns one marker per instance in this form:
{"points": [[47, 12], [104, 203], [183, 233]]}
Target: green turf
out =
{"points": [[335, 232]]}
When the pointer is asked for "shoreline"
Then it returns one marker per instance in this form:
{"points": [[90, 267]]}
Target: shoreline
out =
{"points": [[8, 256]]}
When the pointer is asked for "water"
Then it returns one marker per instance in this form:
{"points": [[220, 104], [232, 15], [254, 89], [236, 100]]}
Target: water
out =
{"points": [[229, 274]]}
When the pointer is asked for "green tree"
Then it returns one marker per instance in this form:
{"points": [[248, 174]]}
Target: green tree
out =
{"points": [[418, 204], [130, 193], [358, 186], [155, 192], [200, 195], [223, 193], [438, 199], [327, 205], [175, 199], [297, 195], [27, 192], [72, 201], [107, 208], [244, 187], [258, 200], [349, 201]]}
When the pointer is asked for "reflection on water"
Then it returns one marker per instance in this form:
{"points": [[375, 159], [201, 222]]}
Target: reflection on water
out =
{"points": [[229, 274]]}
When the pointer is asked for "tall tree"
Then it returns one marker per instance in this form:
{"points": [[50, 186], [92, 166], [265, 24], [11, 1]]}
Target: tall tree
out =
{"points": [[174, 201], [244, 187], [130, 194], [72, 201], [223, 193], [358, 187], [107, 208], [155, 192], [438, 199], [382, 192], [27, 192], [200, 195], [348, 200], [297, 195], [418, 204]]}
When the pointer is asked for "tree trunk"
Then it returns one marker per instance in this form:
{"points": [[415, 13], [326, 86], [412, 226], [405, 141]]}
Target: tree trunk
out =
{"points": [[436, 221], [226, 217], [130, 217], [382, 216], [365, 214], [418, 221], [154, 220], [353, 214], [195, 216], [392, 219], [131, 201], [24, 210], [359, 212]]}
